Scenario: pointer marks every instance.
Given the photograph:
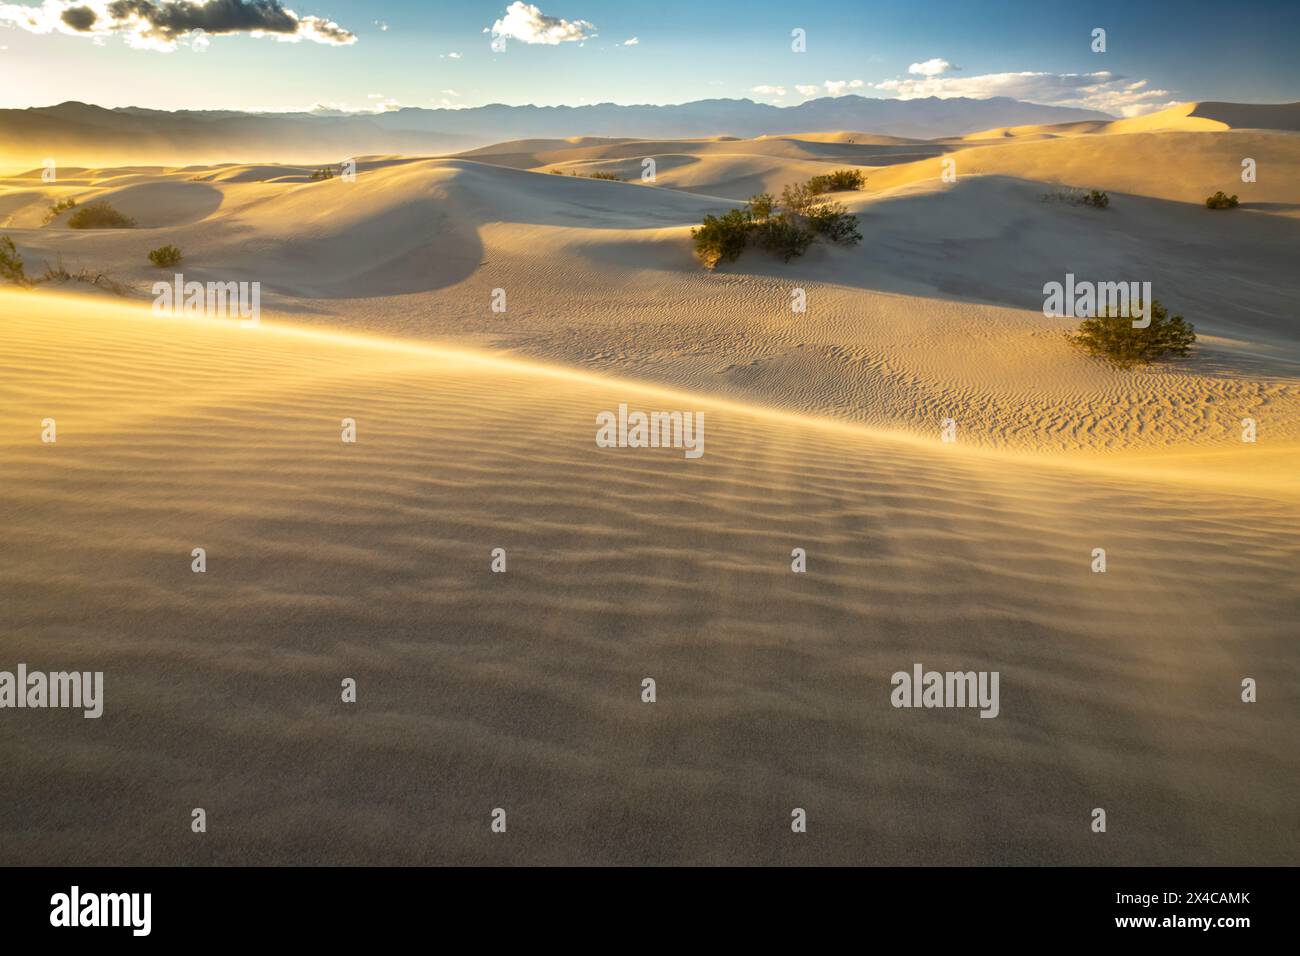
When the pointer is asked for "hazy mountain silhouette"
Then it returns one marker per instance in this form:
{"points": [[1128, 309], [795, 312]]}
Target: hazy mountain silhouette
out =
{"points": [[77, 132]]}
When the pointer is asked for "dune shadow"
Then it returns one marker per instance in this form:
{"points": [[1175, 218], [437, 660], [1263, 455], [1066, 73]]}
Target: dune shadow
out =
{"points": [[996, 240]]}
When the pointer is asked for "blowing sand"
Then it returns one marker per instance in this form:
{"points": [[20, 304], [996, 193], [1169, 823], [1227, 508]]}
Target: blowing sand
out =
{"points": [[521, 690]]}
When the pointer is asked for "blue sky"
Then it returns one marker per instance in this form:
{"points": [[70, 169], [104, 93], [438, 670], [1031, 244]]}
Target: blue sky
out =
{"points": [[377, 55]]}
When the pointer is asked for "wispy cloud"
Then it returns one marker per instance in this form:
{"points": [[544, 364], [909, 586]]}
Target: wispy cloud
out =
{"points": [[635, 41], [766, 90], [160, 24], [1104, 91], [526, 23]]}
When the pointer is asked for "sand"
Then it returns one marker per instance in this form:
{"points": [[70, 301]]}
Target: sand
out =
{"points": [[522, 690]]}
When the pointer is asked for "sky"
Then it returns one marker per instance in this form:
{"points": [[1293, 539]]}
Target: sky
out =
{"points": [[387, 54]]}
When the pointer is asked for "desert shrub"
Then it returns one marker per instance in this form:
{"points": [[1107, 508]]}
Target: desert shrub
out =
{"points": [[11, 263], [610, 176], [325, 172], [721, 238], [798, 199], [557, 172], [165, 256], [761, 206], [782, 235], [60, 273], [833, 222], [1096, 198], [1114, 338], [99, 215], [1220, 200], [837, 181], [785, 227], [56, 208]]}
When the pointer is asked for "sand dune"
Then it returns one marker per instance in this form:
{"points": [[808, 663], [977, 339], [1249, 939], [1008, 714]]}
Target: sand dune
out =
{"points": [[936, 315], [521, 690], [476, 431], [1183, 118], [1179, 166]]}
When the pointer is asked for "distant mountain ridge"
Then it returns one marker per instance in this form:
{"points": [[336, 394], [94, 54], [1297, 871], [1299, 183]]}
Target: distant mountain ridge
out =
{"points": [[77, 132]]}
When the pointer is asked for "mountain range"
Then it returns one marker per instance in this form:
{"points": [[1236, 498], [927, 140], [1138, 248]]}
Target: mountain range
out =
{"points": [[75, 133]]}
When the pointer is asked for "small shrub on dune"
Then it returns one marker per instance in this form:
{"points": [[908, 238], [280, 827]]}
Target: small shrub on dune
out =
{"points": [[833, 222], [783, 236], [60, 273], [165, 256], [761, 206], [99, 215], [785, 227], [325, 172], [721, 238], [1221, 200], [1096, 198], [798, 199], [11, 263], [609, 176], [63, 205], [1113, 337], [838, 181]]}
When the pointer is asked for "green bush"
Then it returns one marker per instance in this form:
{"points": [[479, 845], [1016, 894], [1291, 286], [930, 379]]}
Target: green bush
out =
{"points": [[798, 199], [55, 208], [165, 256], [99, 215], [783, 236], [1113, 337], [1096, 198], [609, 176], [325, 172], [833, 222], [11, 263], [837, 181], [721, 238], [786, 227], [1220, 200]]}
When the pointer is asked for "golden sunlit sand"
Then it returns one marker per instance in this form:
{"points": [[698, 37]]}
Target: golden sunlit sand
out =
{"points": [[371, 560]]}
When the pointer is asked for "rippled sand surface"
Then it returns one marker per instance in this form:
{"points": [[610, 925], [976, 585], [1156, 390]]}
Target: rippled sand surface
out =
{"points": [[522, 690]]}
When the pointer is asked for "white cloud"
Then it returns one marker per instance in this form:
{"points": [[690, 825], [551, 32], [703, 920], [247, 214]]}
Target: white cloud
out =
{"points": [[161, 24], [632, 42], [932, 67], [1103, 90], [766, 90], [808, 89], [840, 87], [526, 23], [453, 56], [385, 105]]}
